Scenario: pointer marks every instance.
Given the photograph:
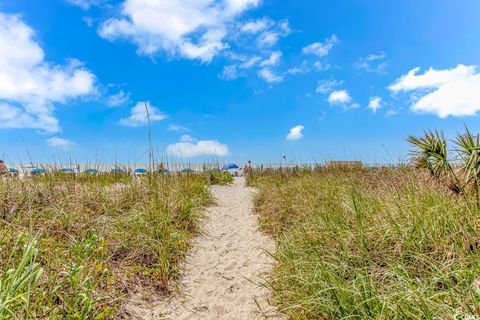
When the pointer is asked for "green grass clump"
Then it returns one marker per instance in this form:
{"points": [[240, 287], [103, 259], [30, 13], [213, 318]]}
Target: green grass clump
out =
{"points": [[358, 244], [99, 239], [19, 277], [219, 177]]}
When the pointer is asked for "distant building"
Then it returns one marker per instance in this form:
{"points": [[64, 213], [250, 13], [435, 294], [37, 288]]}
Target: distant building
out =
{"points": [[344, 164]]}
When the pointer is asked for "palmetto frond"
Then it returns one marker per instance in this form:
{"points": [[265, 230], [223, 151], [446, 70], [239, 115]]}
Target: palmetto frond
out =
{"points": [[468, 148], [431, 153]]}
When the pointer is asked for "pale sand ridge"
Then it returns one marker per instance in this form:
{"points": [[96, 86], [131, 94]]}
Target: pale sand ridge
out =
{"points": [[222, 272]]}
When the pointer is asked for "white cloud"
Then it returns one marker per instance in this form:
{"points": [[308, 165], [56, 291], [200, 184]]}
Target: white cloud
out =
{"points": [[448, 92], [29, 86], [374, 103], [432, 78], [119, 99], [266, 73], [269, 76], [256, 26], [373, 63], [303, 68], [273, 60], [326, 86], [187, 138], [189, 148], [250, 62], [295, 133], [321, 66], [272, 34], [268, 39], [321, 49], [391, 113], [61, 143], [88, 21], [229, 72], [199, 30], [339, 97], [190, 29], [177, 127], [234, 71], [84, 4], [139, 117]]}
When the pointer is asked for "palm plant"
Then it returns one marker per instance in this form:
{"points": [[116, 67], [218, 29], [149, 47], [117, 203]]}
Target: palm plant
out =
{"points": [[468, 148], [431, 153]]}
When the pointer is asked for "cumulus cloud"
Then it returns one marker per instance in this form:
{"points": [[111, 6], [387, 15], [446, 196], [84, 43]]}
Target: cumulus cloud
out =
{"points": [[61, 143], [230, 72], [189, 147], [342, 98], [321, 49], [256, 26], [339, 97], [190, 29], [373, 63], [118, 99], [321, 66], [200, 30], [448, 92], [326, 86], [29, 86], [302, 69], [138, 115], [273, 60], [295, 133], [374, 103], [268, 39], [250, 62], [269, 76]]}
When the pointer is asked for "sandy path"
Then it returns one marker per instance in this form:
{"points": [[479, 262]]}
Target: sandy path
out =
{"points": [[224, 261]]}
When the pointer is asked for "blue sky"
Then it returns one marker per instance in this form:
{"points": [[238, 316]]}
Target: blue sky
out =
{"points": [[234, 79]]}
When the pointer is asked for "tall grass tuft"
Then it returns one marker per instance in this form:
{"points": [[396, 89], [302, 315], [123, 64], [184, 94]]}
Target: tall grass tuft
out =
{"points": [[381, 244], [100, 239], [18, 279]]}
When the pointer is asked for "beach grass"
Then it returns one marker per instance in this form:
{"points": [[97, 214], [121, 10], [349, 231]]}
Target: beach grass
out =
{"points": [[370, 244], [77, 247]]}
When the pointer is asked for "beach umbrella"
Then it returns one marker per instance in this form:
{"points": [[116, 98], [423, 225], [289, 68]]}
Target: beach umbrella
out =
{"points": [[68, 170], [165, 170], [12, 170], [117, 170], [36, 171], [230, 166], [187, 170], [140, 170], [90, 170]]}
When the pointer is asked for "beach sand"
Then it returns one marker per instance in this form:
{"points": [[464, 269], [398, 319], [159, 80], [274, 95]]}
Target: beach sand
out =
{"points": [[225, 266]]}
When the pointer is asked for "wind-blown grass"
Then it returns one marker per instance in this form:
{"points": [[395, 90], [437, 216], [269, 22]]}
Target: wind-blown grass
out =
{"points": [[100, 238], [357, 244]]}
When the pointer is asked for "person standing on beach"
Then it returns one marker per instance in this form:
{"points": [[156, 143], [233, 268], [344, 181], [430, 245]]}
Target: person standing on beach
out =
{"points": [[247, 169], [161, 168], [3, 169]]}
